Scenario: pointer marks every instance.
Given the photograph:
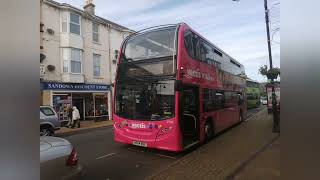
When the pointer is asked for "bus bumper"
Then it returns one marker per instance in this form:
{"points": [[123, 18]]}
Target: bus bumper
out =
{"points": [[167, 142]]}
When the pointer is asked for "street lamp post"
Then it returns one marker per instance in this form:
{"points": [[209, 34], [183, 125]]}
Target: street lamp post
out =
{"points": [[276, 124]]}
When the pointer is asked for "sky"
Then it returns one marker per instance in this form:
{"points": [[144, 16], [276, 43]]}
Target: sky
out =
{"points": [[238, 27]]}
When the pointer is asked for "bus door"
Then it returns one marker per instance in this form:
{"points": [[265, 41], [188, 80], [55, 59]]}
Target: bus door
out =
{"points": [[190, 115]]}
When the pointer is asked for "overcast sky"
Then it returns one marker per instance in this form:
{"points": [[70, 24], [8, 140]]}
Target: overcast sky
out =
{"points": [[236, 27]]}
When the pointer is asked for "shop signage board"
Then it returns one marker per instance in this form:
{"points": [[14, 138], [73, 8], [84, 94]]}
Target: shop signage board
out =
{"points": [[74, 86]]}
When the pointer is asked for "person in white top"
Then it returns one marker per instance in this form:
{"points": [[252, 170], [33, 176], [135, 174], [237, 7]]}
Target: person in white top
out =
{"points": [[75, 117]]}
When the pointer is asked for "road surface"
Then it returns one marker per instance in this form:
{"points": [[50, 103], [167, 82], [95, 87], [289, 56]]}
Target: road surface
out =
{"points": [[106, 160]]}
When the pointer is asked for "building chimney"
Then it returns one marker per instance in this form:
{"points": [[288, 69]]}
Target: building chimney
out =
{"points": [[89, 7]]}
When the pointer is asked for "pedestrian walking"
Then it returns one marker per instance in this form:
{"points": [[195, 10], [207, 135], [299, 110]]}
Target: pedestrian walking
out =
{"points": [[69, 111], [75, 117]]}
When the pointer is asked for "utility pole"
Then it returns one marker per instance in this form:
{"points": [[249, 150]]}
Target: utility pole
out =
{"points": [[276, 127], [276, 119]]}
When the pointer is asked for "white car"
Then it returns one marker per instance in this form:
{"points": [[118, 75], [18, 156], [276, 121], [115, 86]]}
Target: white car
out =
{"points": [[264, 100], [58, 159]]}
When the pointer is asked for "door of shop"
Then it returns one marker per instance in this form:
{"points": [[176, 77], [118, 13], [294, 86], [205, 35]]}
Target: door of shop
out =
{"points": [[79, 103]]}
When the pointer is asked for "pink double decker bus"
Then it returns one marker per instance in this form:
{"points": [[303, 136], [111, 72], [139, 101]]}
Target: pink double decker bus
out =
{"points": [[174, 89]]}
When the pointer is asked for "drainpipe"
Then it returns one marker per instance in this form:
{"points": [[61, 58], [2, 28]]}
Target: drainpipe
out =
{"points": [[110, 75]]}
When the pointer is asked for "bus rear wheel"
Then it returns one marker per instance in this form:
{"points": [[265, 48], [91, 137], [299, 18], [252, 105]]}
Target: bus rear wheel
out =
{"points": [[208, 131], [241, 117]]}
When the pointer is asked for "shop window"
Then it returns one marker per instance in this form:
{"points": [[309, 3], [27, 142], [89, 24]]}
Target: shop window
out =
{"points": [[61, 104], [89, 105], [101, 108], [96, 106]]}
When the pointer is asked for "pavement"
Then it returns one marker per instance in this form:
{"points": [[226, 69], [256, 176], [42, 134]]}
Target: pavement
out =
{"points": [[265, 166], [85, 126], [248, 151]]}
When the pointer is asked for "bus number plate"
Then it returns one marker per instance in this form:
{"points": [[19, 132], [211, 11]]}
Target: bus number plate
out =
{"points": [[138, 143]]}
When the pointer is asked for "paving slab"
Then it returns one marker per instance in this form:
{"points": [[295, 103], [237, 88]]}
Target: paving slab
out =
{"points": [[224, 154]]}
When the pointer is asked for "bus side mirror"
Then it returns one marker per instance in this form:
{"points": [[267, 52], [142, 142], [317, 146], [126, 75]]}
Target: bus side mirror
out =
{"points": [[178, 85]]}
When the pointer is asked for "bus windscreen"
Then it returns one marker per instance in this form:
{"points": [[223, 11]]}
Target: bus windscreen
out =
{"points": [[145, 101], [149, 45]]}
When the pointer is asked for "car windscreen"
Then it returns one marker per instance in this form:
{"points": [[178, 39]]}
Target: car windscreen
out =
{"points": [[47, 111]]}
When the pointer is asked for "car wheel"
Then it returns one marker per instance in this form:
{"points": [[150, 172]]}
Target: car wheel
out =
{"points": [[46, 131], [208, 131]]}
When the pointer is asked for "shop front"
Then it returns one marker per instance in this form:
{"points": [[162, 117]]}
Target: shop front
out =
{"points": [[92, 100]]}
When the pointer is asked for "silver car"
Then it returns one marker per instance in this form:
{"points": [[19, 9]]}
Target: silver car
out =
{"points": [[49, 121], [58, 159]]}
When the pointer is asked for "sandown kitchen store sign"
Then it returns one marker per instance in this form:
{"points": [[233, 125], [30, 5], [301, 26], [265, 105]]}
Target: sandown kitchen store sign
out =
{"points": [[74, 86]]}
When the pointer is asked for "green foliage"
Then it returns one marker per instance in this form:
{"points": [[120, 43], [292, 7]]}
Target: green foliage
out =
{"points": [[271, 74]]}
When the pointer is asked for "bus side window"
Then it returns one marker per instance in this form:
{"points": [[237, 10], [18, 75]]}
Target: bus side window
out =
{"points": [[219, 100], [196, 45], [208, 100], [188, 43]]}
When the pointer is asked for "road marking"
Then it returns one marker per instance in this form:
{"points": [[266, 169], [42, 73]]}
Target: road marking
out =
{"points": [[104, 156], [166, 156]]}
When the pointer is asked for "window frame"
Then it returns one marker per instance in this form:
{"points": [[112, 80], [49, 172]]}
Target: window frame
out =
{"points": [[65, 22], [95, 64], [95, 32], [74, 23], [66, 60], [71, 60]]}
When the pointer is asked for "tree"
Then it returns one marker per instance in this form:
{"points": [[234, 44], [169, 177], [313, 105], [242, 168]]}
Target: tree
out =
{"points": [[271, 74]]}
